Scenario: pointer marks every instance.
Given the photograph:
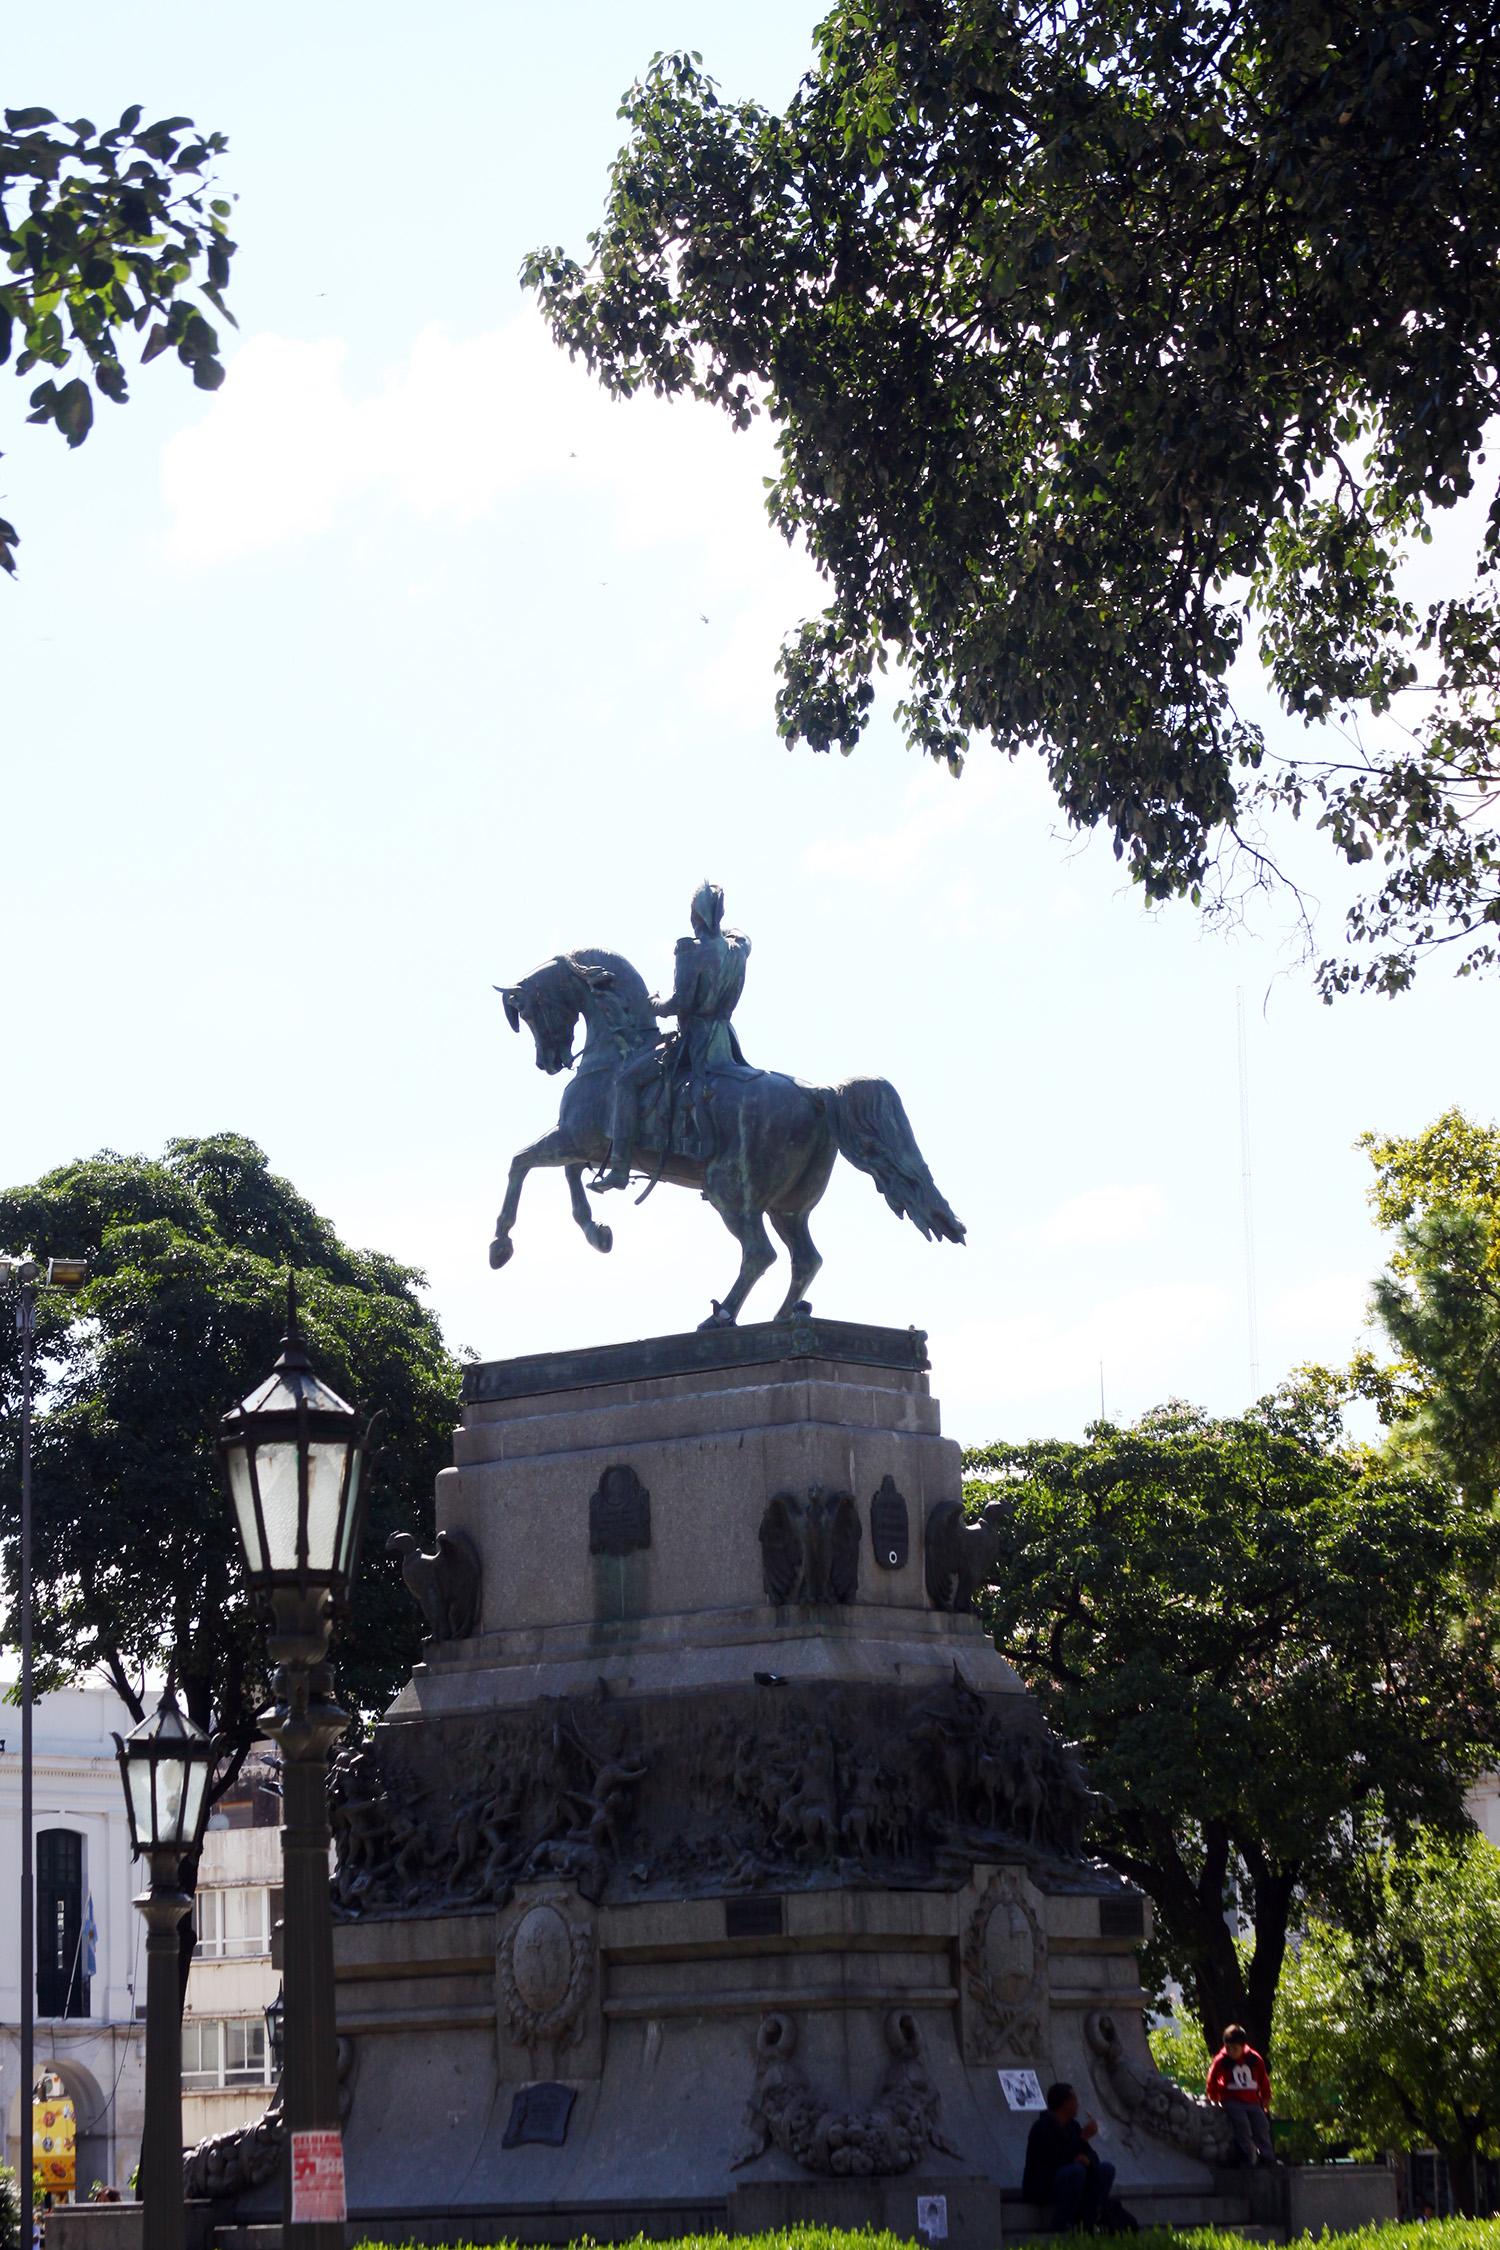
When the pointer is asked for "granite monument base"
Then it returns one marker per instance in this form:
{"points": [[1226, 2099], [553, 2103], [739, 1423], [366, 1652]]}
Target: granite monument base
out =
{"points": [[722, 1873]]}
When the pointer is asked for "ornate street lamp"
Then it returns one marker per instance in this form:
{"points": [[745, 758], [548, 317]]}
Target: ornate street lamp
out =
{"points": [[275, 2015], [293, 1453], [165, 1763]]}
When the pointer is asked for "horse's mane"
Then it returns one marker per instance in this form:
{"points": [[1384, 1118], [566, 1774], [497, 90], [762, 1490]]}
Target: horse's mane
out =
{"points": [[627, 991]]}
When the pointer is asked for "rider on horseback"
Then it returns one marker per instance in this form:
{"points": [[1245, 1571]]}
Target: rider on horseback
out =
{"points": [[710, 977]]}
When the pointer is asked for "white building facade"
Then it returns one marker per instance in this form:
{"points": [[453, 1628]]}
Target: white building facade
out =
{"points": [[90, 2027], [227, 2074]]}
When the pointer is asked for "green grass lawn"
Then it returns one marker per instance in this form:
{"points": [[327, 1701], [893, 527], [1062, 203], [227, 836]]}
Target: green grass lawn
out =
{"points": [[1437, 2234]]}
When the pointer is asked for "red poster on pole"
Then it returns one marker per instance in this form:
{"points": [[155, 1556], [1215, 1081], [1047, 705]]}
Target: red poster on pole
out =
{"points": [[318, 2178]]}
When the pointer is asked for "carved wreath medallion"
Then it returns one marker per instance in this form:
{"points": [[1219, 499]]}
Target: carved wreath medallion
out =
{"points": [[1005, 1966], [546, 1966], [831, 2137]]}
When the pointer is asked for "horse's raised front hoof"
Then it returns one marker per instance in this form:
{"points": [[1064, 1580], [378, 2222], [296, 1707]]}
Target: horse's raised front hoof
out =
{"points": [[500, 1251], [718, 1318], [603, 1238]]}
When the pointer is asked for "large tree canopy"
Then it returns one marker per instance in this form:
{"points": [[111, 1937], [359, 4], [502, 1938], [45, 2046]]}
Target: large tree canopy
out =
{"points": [[1387, 2035], [135, 1556], [1101, 339], [101, 233], [1438, 1191], [1267, 1647]]}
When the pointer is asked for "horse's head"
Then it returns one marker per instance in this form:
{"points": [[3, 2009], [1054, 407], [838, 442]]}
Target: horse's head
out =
{"points": [[548, 1003], [601, 987]]}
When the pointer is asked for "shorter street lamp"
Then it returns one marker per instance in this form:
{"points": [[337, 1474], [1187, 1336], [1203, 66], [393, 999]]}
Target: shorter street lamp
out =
{"points": [[293, 1453], [165, 1764], [275, 2015]]}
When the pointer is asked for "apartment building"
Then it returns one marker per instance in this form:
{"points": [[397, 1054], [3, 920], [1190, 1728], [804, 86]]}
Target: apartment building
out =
{"points": [[227, 2071]]}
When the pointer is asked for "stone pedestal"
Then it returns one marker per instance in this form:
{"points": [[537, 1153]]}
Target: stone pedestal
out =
{"points": [[717, 1875]]}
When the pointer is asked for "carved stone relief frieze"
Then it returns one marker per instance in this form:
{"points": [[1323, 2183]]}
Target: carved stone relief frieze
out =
{"points": [[747, 1789]]}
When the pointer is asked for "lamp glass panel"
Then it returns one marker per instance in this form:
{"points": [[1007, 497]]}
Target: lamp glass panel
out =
{"points": [[171, 1780], [351, 1513], [238, 1459], [142, 1814], [276, 1467], [325, 1478], [195, 1780]]}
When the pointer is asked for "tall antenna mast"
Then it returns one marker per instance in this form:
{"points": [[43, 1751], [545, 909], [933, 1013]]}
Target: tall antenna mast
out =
{"points": [[1252, 1323]]}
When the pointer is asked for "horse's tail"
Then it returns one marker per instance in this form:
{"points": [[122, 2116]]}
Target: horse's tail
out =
{"points": [[874, 1135]]}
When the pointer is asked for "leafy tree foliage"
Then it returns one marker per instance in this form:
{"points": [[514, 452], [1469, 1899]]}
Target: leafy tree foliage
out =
{"points": [[1387, 2035], [1438, 1192], [1180, 2052], [101, 233], [1103, 339], [182, 1314], [1265, 1647]]}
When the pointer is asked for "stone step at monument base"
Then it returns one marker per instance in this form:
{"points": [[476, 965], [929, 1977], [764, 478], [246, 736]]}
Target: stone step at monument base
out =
{"points": [[978, 2216]]}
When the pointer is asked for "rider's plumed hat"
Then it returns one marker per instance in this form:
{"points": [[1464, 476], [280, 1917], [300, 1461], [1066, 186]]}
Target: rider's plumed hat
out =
{"points": [[708, 907]]}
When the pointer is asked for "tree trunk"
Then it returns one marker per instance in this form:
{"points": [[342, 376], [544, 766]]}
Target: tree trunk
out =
{"points": [[1273, 1890], [1219, 1992]]}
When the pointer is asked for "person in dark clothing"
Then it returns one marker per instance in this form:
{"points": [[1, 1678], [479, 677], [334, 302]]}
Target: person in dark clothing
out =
{"points": [[1061, 2167], [1240, 2084]]}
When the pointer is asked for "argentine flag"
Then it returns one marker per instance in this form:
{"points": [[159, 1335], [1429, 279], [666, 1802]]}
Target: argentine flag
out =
{"points": [[90, 1940]]}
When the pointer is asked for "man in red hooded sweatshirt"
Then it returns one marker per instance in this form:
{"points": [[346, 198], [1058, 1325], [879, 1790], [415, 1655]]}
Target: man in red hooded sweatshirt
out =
{"points": [[1240, 2083]]}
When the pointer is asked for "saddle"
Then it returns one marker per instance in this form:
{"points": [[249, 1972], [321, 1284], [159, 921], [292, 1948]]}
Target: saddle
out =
{"points": [[676, 1111]]}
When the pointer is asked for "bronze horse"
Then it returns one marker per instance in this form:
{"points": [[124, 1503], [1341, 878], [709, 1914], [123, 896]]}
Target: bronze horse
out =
{"points": [[765, 1143]]}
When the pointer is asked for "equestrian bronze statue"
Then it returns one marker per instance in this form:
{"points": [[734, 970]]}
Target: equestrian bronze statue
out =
{"points": [[687, 1108]]}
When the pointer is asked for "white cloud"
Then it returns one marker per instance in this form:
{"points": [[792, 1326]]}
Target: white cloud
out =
{"points": [[1102, 1217], [450, 432]]}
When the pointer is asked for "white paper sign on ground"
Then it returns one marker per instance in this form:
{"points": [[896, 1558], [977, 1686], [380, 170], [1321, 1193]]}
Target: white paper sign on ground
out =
{"points": [[932, 2217], [1022, 2089], [318, 2178]]}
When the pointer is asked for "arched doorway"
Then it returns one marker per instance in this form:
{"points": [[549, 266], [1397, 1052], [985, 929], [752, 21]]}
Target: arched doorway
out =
{"points": [[91, 2103]]}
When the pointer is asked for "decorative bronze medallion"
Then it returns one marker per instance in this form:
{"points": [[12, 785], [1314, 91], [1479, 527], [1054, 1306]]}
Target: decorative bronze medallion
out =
{"points": [[890, 1526], [619, 1513]]}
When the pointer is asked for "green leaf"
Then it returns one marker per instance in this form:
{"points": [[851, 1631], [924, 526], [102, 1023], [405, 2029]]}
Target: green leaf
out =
{"points": [[74, 411]]}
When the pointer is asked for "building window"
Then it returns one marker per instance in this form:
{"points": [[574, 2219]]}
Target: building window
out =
{"points": [[202, 2054], [245, 2051], [62, 1988], [233, 1923], [229, 2051]]}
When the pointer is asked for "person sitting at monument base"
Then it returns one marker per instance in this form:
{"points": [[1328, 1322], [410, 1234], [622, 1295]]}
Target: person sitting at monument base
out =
{"points": [[1240, 2083], [1061, 2168]]}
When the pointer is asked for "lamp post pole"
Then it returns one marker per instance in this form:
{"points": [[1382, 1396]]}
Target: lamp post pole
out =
{"points": [[64, 1273], [165, 1764], [163, 1904], [26, 1322], [304, 1724]]}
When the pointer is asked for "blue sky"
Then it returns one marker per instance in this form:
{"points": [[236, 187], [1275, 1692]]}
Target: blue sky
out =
{"points": [[409, 660]]}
